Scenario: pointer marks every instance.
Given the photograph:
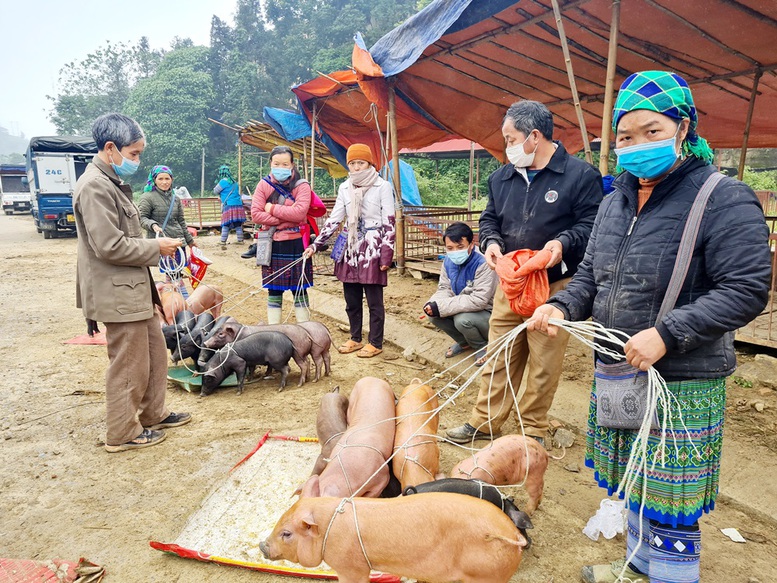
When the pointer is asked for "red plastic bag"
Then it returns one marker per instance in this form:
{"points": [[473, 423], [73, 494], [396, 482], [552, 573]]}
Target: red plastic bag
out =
{"points": [[198, 265], [524, 279], [317, 207]]}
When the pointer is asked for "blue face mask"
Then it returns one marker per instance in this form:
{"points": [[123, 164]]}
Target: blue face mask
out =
{"points": [[458, 257], [649, 160], [281, 174], [126, 168]]}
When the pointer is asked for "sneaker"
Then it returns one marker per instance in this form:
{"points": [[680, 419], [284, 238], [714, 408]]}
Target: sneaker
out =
{"points": [[250, 252], [173, 420], [611, 574], [466, 433], [147, 438]]}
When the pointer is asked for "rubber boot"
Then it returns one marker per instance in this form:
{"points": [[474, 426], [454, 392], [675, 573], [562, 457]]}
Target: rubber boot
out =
{"points": [[274, 315], [302, 313]]}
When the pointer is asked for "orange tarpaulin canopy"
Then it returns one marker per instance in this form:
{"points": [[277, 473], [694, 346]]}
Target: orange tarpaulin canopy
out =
{"points": [[462, 62]]}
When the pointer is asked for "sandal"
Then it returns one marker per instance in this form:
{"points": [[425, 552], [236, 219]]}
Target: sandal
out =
{"points": [[611, 574], [482, 357], [456, 349], [147, 438], [369, 351], [350, 346]]}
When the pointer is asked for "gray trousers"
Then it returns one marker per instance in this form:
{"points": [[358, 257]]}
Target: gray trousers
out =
{"points": [[466, 328]]}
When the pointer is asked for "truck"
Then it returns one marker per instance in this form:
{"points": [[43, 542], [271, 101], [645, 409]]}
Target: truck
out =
{"points": [[13, 189], [54, 164]]}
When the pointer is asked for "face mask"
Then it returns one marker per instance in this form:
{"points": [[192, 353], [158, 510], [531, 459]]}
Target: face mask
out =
{"points": [[126, 168], [458, 257], [518, 157], [281, 174], [649, 160]]}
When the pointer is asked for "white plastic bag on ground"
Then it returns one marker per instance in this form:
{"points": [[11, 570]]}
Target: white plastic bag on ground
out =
{"points": [[608, 520]]}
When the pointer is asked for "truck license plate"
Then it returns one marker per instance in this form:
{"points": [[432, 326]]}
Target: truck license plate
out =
{"points": [[71, 219]]}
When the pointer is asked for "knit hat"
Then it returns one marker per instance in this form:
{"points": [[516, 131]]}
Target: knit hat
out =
{"points": [[664, 93], [360, 152]]}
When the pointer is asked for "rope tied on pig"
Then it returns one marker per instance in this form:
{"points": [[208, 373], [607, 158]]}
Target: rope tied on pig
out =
{"points": [[414, 459], [340, 510]]}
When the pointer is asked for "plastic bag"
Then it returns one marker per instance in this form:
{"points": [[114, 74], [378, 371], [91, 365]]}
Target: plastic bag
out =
{"points": [[198, 265], [608, 521], [524, 279]]}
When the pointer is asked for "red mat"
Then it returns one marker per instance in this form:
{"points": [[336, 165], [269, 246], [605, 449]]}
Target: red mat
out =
{"points": [[54, 571], [85, 339]]}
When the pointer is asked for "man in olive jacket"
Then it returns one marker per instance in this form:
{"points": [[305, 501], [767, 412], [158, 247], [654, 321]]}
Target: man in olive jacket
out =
{"points": [[114, 286]]}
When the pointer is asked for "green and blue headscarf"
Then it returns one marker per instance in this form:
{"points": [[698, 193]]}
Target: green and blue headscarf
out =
{"points": [[156, 171], [224, 173], [665, 93]]}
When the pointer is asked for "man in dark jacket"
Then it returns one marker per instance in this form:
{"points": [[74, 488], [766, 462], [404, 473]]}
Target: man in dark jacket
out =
{"points": [[543, 199]]}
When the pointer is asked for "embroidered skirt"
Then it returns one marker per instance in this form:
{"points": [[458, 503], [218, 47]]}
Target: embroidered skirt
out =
{"points": [[233, 216], [686, 485], [276, 275]]}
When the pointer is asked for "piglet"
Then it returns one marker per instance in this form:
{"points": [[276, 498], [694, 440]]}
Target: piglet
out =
{"points": [[184, 322], [264, 348], [206, 298], [232, 330], [172, 301], [331, 424], [321, 343], [508, 461], [479, 490], [190, 341], [417, 457], [436, 537], [358, 462]]}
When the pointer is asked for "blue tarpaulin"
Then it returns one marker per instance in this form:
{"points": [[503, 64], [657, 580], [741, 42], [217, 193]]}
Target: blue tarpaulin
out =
{"points": [[410, 193]]}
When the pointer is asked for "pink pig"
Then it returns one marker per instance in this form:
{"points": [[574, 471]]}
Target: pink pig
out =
{"points": [[417, 457], [504, 462], [357, 464]]}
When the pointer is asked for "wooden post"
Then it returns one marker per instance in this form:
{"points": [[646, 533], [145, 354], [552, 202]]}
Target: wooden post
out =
{"points": [[399, 216], [748, 121], [612, 61], [313, 149], [477, 179], [471, 172], [202, 177], [240, 167], [572, 84]]}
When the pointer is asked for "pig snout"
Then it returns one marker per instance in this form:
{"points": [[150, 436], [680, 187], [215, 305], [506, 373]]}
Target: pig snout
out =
{"points": [[265, 548]]}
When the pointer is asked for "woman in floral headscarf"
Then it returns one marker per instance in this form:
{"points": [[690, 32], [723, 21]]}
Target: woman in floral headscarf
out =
{"points": [[622, 282]]}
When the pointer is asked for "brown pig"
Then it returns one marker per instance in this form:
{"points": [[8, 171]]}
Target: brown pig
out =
{"points": [[504, 462], [172, 301], [206, 297], [454, 538], [358, 465], [319, 350], [331, 424], [417, 457]]}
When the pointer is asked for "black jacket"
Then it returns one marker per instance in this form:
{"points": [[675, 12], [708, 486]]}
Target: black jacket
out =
{"points": [[627, 266], [560, 203]]}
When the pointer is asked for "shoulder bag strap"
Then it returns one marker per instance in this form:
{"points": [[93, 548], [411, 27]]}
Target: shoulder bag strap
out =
{"points": [[687, 243], [170, 210]]}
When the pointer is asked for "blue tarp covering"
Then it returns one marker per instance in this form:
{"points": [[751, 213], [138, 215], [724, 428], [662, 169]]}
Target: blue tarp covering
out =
{"points": [[410, 194], [401, 47], [291, 126]]}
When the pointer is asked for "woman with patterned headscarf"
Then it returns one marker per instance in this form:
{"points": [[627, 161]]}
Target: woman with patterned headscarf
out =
{"points": [[621, 284], [233, 215]]}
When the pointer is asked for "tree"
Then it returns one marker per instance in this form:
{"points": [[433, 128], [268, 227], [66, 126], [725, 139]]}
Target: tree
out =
{"points": [[98, 84], [173, 107]]}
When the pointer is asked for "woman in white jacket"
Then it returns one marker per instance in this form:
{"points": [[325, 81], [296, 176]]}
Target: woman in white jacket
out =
{"points": [[364, 250]]}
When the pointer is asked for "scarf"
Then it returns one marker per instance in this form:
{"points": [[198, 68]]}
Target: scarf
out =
{"points": [[156, 171], [225, 173], [665, 93], [359, 183]]}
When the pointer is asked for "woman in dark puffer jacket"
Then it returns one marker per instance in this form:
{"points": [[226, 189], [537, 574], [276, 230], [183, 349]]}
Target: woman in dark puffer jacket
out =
{"points": [[621, 284]]}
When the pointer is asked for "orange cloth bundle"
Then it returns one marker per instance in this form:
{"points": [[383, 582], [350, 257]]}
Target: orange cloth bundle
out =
{"points": [[524, 279]]}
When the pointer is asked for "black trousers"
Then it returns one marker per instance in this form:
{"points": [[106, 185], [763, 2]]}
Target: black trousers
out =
{"points": [[353, 293]]}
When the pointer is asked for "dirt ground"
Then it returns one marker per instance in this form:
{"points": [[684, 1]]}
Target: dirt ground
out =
{"points": [[64, 497]]}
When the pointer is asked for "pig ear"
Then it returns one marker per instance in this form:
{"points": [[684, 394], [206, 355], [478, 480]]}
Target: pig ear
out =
{"points": [[309, 524]]}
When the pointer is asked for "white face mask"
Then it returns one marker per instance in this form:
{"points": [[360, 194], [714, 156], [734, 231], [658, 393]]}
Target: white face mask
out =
{"points": [[518, 156]]}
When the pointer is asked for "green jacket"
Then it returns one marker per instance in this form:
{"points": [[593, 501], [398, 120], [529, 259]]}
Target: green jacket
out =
{"points": [[153, 208]]}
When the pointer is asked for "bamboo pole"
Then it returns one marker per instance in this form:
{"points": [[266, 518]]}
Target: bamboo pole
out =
{"points": [[572, 84], [240, 167], [471, 172], [400, 219], [609, 88], [313, 149], [749, 119]]}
